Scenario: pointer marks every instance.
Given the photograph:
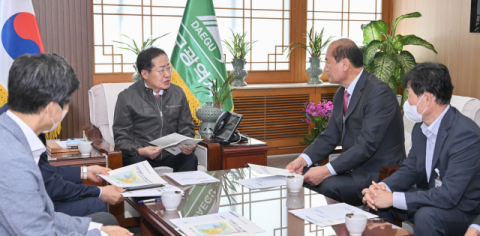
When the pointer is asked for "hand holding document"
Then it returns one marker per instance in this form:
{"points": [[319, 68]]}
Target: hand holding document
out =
{"points": [[270, 170], [224, 223], [329, 215], [173, 142], [135, 175], [192, 177]]}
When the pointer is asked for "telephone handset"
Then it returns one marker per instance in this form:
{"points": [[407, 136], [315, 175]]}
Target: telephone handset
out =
{"points": [[226, 126]]}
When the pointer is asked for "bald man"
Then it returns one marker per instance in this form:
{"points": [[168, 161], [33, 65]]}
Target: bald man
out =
{"points": [[366, 120]]}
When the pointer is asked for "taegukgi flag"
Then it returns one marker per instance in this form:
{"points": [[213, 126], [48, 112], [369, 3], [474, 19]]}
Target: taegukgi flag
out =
{"points": [[197, 55], [19, 35]]}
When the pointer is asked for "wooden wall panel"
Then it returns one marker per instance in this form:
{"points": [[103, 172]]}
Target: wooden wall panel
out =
{"points": [[66, 29], [445, 24]]}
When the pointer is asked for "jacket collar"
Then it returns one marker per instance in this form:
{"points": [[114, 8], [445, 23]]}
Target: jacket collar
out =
{"points": [[442, 135], [357, 93]]}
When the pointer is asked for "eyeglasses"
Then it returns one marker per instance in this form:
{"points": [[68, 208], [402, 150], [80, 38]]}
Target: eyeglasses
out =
{"points": [[168, 68]]}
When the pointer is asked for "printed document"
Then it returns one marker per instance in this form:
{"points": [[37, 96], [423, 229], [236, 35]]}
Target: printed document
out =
{"points": [[192, 177], [173, 142], [152, 192], [329, 215], [263, 182], [270, 170], [220, 223], [138, 174]]}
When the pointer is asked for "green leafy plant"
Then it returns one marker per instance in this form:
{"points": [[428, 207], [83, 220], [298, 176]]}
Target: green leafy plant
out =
{"points": [[134, 47], [220, 90], [315, 44], [385, 58], [238, 47]]}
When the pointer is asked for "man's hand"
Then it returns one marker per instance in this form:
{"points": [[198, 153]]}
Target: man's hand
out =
{"points": [[472, 232], [297, 165], [112, 194], [370, 193], [115, 231], [93, 171], [316, 175], [187, 150], [150, 152]]}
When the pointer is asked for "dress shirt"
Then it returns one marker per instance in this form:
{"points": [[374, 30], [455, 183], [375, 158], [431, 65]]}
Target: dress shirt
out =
{"points": [[154, 93], [37, 148], [477, 227], [430, 132], [350, 89]]}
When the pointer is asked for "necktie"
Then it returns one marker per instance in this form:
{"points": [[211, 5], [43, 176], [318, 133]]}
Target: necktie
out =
{"points": [[345, 102], [158, 95]]}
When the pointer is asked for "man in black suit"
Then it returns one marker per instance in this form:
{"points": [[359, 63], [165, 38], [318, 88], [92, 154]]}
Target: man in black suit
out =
{"points": [[366, 119], [437, 186], [67, 191]]}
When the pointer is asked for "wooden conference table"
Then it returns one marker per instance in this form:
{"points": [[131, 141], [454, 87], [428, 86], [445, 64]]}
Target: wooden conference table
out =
{"points": [[266, 208]]}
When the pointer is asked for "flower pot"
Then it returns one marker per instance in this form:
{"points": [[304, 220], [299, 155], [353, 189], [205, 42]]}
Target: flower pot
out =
{"points": [[239, 73], [136, 76], [208, 115], [314, 71]]}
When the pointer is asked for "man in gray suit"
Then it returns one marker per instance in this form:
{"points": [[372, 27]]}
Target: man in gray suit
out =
{"points": [[442, 166], [40, 88], [366, 119]]}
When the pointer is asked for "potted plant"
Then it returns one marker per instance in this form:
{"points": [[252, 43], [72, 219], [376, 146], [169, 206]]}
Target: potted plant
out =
{"points": [[133, 47], [209, 113], [318, 115], [239, 48], [385, 58], [314, 47]]}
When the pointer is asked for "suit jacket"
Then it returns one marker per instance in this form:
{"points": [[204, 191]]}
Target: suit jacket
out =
{"points": [[26, 208], [62, 184], [456, 155], [372, 135]]}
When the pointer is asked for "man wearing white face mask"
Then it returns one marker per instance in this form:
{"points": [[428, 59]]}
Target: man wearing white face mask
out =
{"points": [[443, 162], [40, 88]]}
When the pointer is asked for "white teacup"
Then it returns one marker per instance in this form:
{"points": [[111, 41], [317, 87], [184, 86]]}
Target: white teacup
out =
{"points": [[356, 224], [85, 147], [294, 183], [171, 200]]}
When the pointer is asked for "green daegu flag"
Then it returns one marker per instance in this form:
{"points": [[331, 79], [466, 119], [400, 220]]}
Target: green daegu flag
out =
{"points": [[197, 55]]}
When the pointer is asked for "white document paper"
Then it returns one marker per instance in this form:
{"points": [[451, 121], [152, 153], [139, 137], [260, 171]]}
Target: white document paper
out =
{"points": [[263, 182], [152, 192], [270, 170], [138, 174], [232, 219], [192, 177], [329, 215], [173, 142]]}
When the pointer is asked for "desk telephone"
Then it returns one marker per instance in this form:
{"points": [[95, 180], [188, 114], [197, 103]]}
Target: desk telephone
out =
{"points": [[225, 130]]}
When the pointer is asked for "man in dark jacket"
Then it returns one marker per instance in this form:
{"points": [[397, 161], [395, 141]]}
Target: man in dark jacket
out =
{"points": [[65, 188], [152, 108]]}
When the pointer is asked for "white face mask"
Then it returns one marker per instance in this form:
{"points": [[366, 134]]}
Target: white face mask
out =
{"points": [[411, 111], [55, 125]]}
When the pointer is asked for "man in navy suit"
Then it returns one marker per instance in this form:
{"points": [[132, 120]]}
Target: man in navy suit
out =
{"points": [[437, 186], [366, 119], [67, 191]]}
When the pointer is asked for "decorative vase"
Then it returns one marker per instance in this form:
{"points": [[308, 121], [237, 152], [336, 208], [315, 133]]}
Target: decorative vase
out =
{"points": [[136, 76], [239, 73], [314, 71], [208, 115]]}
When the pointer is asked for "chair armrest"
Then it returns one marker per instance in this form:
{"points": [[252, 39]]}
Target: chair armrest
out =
{"points": [[113, 154], [386, 171]]}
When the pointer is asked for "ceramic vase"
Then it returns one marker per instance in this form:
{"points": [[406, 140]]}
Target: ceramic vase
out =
{"points": [[208, 115], [314, 71], [136, 76], [239, 73]]}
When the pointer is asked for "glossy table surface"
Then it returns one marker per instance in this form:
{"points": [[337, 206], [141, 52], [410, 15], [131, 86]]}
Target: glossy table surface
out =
{"points": [[266, 208]]}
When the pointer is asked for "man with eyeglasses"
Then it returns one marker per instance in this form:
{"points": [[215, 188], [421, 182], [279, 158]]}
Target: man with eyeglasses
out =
{"points": [[152, 108]]}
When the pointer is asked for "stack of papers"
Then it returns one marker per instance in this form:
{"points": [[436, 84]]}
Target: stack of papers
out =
{"points": [[270, 170], [225, 223], [173, 142], [263, 182], [192, 177], [329, 215], [138, 174]]}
